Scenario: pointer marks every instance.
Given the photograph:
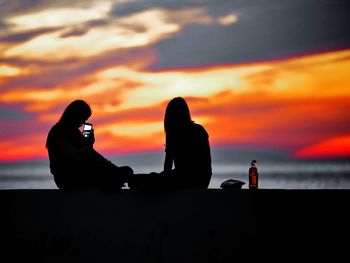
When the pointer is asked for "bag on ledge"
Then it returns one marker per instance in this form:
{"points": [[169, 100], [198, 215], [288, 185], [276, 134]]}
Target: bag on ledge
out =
{"points": [[232, 184]]}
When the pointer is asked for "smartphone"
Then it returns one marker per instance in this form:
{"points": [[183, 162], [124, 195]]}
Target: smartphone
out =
{"points": [[87, 129]]}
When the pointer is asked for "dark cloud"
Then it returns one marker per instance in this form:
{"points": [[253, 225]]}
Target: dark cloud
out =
{"points": [[3, 25], [15, 122], [129, 8], [25, 36], [124, 9], [96, 23], [84, 28], [12, 112], [74, 32], [264, 31], [13, 7]]}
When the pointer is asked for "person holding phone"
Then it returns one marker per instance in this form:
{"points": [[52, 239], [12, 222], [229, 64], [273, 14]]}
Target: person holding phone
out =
{"points": [[87, 129], [74, 163]]}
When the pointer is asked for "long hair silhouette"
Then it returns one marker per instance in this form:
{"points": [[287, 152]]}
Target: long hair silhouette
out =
{"points": [[74, 115], [76, 112], [177, 116]]}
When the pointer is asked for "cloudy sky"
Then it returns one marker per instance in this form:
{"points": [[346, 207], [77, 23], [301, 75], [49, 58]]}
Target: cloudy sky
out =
{"points": [[259, 73]]}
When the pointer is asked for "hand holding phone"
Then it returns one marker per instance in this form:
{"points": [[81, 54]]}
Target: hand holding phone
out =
{"points": [[87, 129]]}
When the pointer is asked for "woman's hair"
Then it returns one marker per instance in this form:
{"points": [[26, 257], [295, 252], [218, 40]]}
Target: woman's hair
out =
{"points": [[77, 111], [177, 115]]}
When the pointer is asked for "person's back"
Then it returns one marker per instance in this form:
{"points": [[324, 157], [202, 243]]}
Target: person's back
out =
{"points": [[187, 147], [190, 151], [187, 163]]}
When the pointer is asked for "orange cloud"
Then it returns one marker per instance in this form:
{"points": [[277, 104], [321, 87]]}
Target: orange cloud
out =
{"points": [[273, 122], [290, 103], [109, 143]]}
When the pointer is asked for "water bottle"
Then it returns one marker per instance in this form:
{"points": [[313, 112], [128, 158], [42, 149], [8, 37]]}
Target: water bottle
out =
{"points": [[253, 175]]}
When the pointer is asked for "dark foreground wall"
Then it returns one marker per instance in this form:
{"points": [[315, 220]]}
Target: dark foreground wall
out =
{"points": [[185, 226]]}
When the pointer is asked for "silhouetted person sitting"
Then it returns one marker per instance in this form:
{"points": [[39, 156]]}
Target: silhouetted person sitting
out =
{"points": [[74, 163], [187, 154]]}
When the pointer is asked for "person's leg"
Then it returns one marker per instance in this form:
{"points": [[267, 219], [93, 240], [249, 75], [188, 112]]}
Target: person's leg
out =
{"points": [[151, 181], [141, 181], [122, 174], [106, 173]]}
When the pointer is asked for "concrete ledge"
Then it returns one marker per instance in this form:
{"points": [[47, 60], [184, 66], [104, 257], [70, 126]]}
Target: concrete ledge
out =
{"points": [[211, 225]]}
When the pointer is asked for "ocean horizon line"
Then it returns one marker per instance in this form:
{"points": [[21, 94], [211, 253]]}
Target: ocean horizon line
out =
{"points": [[234, 154]]}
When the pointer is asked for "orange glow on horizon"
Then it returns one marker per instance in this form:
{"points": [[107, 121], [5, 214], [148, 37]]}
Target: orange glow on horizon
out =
{"points": [[333, 147]]}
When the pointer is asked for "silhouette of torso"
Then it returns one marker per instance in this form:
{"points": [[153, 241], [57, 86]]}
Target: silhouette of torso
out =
{"points": [[69, 164], [190, 151]]}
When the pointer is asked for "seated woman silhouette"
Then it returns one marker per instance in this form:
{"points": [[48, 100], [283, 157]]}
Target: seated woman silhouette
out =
{"points": [[74, 163], [187, 161]]}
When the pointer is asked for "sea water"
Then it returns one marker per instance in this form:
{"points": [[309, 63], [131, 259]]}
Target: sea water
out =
{"points": [[276, 171]]}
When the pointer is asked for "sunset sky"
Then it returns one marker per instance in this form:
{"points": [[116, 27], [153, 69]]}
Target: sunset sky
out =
{"points": [[272, 74]]}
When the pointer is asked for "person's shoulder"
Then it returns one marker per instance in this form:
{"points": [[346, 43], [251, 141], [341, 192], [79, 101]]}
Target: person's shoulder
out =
{"points": [[55, 130], [55, 127], [199, 129], [52, 135]]}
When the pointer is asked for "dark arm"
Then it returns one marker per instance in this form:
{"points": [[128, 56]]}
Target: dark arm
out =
{"points": [[168, 162]]}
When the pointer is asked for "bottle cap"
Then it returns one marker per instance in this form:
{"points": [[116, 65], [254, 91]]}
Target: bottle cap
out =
{"points": [[253, 162]]}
